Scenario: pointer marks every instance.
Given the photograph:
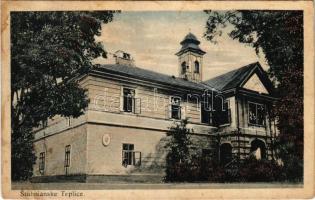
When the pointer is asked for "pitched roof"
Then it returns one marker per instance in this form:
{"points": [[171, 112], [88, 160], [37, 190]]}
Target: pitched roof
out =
{"points": [[231, 79], [148, 75]]}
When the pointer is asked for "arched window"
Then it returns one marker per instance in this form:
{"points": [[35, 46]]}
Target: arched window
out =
{"points": [[183, 67], [196, 67], [258, 149], [225, 153]]}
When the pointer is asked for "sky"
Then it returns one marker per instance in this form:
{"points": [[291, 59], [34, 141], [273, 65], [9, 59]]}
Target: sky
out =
{"points": [[153, 37]]}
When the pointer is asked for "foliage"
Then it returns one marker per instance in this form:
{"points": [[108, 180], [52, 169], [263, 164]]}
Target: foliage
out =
{"points": [[178, 156], [279, 36], [48, 49]]}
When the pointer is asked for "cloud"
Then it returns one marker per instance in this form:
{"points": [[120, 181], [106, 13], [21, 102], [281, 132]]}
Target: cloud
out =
{"points": [[153, 38]]}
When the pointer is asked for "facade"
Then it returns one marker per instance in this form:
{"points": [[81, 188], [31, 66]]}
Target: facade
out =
{"points": [[122, 134]]}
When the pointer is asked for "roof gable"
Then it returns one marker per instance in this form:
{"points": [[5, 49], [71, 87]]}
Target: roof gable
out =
{"points": [[254, 83], [231, 79], [239, 77]]}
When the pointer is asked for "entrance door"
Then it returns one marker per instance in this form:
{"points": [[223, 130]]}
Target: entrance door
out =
{"points": [[225, 153]]}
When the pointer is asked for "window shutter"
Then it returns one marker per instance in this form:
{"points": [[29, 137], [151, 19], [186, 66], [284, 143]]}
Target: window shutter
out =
{"points": [[137, 106], [133, 158], [138, 158], [183, 111], [121, 101], [229, 116], [168, 109]]}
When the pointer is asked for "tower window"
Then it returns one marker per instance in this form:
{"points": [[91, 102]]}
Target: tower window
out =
{"points": [[184, 67], [196, 67]]}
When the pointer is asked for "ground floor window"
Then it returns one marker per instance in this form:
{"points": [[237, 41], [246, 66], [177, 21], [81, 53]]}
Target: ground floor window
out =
{"points": [[42, 162], [67, 158], [130, 156]]}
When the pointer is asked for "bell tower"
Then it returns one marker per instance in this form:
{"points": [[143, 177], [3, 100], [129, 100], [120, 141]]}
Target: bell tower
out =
{"points": [[190, 59]]}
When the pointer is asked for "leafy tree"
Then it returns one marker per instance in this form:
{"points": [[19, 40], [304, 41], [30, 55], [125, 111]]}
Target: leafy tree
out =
{"points": [[178, 157], [279, 36], [48, 49]]}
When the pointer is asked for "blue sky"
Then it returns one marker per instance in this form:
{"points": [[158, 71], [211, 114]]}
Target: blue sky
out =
{"points": [[153, 38]]}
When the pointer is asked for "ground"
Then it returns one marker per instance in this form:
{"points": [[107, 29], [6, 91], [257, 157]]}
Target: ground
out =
{"points": [[106, 186]]}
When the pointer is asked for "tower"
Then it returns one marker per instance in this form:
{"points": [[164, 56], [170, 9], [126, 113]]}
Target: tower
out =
{"points": [[190, 59]]}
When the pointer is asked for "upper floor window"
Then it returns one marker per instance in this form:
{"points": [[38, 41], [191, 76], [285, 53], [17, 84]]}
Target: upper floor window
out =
{"points": [[67, 158], [128, 98], [196, 67], [175, 108], [222, 113], [206, 112], [42, 162], [256, 114], [130, 156], [226, 112], [184, 67]]}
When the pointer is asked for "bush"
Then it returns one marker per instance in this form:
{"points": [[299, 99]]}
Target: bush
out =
{"points": [[252, 170]]}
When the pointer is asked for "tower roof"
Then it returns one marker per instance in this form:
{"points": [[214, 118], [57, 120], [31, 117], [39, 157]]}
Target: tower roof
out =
{"points": [[190, 43], [190, 38]]}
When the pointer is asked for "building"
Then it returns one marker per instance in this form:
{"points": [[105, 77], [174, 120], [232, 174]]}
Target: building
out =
{"points": [[121, 136]]}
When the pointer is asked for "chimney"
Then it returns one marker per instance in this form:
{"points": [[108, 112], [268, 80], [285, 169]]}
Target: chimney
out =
{"points": [[124, 58]]}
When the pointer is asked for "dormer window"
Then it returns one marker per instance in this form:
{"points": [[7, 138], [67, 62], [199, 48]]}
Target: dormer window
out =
{"points": [[196, 67], [126, 56]]}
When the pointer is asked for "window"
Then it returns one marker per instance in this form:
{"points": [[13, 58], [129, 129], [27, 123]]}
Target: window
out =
{"points": [[184, 67], [126, 55], [205, 113], [175, 108], [129, 156], [256, 114], [42, 162], [226, 112], [222, 113], [196, 67], [67, 158], [128, 99]]}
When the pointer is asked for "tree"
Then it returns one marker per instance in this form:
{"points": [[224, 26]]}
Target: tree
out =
{"points": [[279, 36], [178, 157], [48, 50]]}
